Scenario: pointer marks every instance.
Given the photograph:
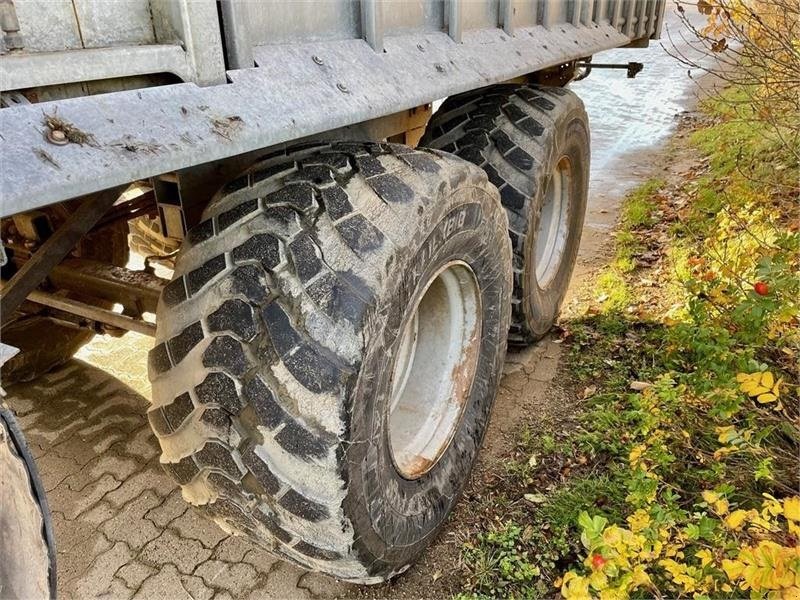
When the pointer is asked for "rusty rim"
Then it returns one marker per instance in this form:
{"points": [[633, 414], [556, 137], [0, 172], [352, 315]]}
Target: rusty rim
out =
{"points": [[434, 368], [552, 233]]}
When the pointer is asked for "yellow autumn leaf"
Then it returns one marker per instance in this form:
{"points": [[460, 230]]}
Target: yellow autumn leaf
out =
{"points": [[767, 380], [719, 453], [733, 568], [721, 507], [710, 497], [705, 556], [735, 519], [753, 384], [792, 593], [766, 398], [639, 520], [726, 434], [575, 587], [636, 453], [791, 508]]}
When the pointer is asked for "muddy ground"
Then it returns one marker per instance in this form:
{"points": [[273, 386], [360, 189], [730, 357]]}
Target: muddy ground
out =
{"points": [[123, 530]]}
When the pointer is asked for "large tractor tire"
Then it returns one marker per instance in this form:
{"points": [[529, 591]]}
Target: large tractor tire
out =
{"points": [[27, 548], [45, 343], [533, 143], [328, 352]]}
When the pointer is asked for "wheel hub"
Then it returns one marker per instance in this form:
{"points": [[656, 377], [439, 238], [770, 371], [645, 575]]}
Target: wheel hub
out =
{"points": [[435, 365]]}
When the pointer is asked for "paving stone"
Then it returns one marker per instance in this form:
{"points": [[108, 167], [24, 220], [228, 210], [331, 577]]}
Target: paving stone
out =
{"points": [[71, 503], [164, 585], [263, 561], [321, 586], [192, 525], [134, 486], [99, 513], [134, 573], [99, 576], [119, 467], [236, 578], [116, 591], [196, 588], [169, 548], [171, 508], [78, 558], [282, 584], [142, 444], [233, 549], [130, 526], [54, 469]]}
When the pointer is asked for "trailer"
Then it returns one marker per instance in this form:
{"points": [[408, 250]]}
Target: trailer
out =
{"points": [[348, 265]]}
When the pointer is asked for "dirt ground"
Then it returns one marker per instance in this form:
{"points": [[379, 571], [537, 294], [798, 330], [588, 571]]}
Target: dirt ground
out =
{"points": [[122, 528]]}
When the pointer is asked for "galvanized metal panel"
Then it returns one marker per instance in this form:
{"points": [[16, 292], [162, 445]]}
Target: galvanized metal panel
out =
{"points": [[281, 22], [526, 13], [479, 15], [413, 16], [143, 133], [116, 23], [48, 25]]}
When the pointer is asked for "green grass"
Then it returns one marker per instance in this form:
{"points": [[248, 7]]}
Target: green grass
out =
{"points": [[692, 362]]}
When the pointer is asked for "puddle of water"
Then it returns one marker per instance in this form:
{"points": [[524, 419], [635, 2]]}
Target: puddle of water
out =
{"points": [[631, 116]]}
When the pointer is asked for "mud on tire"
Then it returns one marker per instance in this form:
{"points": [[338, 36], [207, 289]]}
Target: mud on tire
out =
{"points": [[529, 139], [273, 363]]}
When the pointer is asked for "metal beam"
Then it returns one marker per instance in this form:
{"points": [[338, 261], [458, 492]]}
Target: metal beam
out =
{"points": [[372, 23], [20, 71], [630, 19], [94, 313], [53, 251], [577, 7], [238, 44], [455, 25], [507, 15], [135, 290]]}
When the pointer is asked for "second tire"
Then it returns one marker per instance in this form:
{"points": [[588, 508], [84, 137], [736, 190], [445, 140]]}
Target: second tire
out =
{"points": [[533, 143]]}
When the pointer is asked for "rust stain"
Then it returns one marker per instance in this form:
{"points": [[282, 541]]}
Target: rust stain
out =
{"points": [[464, 371], [418, 465]]}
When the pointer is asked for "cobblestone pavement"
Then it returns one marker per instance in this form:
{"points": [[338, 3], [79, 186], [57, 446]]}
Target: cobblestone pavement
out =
{"points": [[122, 528]]}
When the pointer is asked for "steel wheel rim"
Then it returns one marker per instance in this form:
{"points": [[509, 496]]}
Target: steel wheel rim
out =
{"points": [[553, 229], [433, 370]]}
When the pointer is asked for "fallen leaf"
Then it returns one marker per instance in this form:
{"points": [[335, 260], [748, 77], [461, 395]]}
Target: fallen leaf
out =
{"points": [[638, 386], [535, 498]]}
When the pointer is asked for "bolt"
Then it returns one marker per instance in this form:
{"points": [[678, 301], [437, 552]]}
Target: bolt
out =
{"points": [[420, 47], [342, 88], [57, 137], [317, 60]]}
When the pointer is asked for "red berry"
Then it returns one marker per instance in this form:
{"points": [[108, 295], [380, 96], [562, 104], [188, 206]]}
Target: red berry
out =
{"points": [[761, 288], [598, 561]]}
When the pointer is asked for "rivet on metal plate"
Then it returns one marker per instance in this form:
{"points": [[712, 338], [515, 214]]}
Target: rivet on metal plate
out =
{"points": [[317, 60], [342, 88]]}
